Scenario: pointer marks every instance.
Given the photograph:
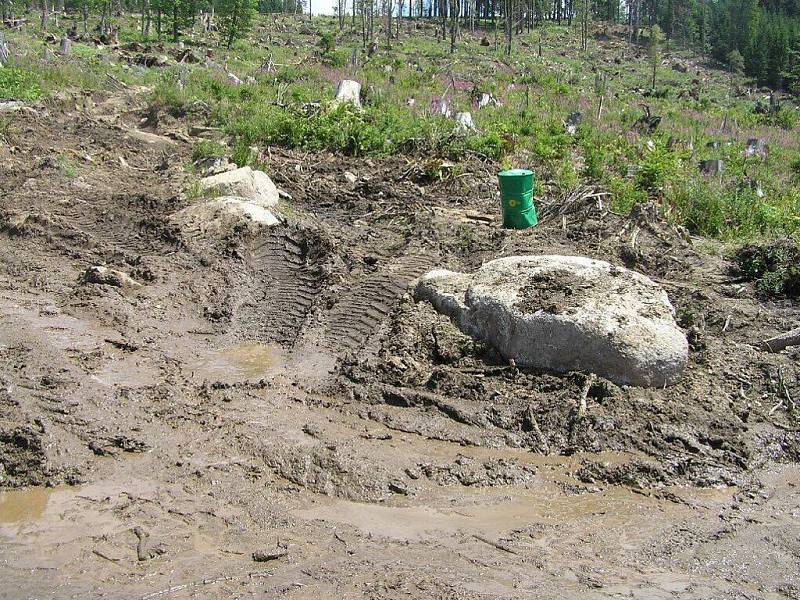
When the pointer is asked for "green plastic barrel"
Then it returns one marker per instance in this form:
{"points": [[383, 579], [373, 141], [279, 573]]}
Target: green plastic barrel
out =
{"points": [[516, 192]]}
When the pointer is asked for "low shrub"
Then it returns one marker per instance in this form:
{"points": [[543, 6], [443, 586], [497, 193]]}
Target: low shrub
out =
{"points": [[775, 267], [18, 84]]}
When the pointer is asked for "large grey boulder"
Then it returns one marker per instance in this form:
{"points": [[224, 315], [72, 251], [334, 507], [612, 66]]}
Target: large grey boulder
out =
{"points": [[249, 184], [219, 216], [566, 313]]}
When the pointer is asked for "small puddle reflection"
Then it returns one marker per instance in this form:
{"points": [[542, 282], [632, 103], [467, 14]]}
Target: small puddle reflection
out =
{"points": [[24, 506], [245, 361], [488, 516]]}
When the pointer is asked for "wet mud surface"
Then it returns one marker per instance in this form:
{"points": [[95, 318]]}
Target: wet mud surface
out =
{"points": [[278, 395]]}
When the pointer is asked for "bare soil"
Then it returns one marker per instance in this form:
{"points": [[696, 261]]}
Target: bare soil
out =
{"points": [[271, 413]]}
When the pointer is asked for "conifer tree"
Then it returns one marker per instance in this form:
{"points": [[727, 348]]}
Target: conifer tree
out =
{"points": [[236, 18]]}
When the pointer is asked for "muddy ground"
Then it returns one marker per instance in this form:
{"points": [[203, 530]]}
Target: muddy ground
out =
{"points": [[271, 414]]}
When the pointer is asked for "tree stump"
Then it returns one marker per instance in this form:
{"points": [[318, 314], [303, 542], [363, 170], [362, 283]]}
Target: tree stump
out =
{"points": [[65, 46]]}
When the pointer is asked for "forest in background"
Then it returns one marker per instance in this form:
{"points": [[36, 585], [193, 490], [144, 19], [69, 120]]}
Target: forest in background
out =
{"points": [[758, 37]]}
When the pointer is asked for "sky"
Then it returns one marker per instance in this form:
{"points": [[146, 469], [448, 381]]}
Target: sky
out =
{"points": [[323, 7], [327, 7]]}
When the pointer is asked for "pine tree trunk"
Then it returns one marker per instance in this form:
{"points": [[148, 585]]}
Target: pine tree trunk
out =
{"points": [[364, 24], [585, 25], [454, 16], [389, 24], [508, 8], [175, 22], [148, 19], [443, 11], [45, 14], [234, 24], [399, 19]]}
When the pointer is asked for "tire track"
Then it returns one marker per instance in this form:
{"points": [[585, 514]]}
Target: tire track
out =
{"points": [[285, 280], [363, 309]]}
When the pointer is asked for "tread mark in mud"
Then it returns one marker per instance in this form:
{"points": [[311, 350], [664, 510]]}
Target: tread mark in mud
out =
{"points": [[361, 311], [286, 283]]}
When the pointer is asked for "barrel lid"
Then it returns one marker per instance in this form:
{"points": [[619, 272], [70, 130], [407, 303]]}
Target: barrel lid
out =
{"points": [[515, 173]]}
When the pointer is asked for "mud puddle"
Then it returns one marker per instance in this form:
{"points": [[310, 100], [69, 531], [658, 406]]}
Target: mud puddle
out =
{"points": [[496, 512], [488, 516], [23, 506], [242, 362]]}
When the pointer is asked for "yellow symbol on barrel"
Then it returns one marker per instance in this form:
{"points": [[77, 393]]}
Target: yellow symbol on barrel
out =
{"points": [[512, 202]]}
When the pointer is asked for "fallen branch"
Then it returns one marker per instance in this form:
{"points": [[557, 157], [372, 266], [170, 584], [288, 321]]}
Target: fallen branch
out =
{"points": [[497, 545], [101, 555], [784, 340]]}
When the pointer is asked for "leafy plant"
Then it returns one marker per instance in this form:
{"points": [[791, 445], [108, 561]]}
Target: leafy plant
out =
{"points": [[68, 166], [775, 267], [795, 167], [658, 166], [207, 149], [17, 84], [785, 118]]}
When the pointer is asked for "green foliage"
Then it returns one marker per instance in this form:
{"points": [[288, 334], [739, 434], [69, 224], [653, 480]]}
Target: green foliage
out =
{"points": [[236, 17], [466, 236], [795, 167], [207, 149], [491, 144], [18, 84], [785, 118], [327, 42], [624, 194], [339, 129], [764, 36], [68, 166], [724, 211], [735, 61], [593, 160], [291, 74], [291, 107], [791, 74], [328, 52], [775, 267], [548, 140], [658, 166], [178, 15], [567, 178], [166, 95]]}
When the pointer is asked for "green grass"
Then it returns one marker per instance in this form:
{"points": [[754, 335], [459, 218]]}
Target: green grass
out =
{"points": [[207, 149], [68, 166]]}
